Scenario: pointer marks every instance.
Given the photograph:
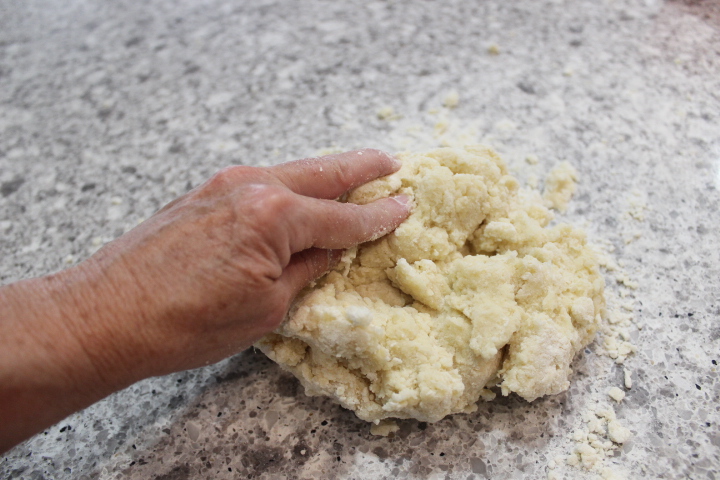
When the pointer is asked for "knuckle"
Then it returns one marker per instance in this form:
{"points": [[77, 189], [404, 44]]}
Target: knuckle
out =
{"points": [[229, 177], [268, 204], [342, 175]]}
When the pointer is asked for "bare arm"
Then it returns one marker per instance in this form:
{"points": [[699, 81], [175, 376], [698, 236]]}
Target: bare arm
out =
{"points": [[202, 279]]}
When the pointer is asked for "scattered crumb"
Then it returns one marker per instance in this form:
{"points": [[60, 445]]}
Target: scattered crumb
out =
{"points": [[638, 204], [493, 49], [441, 127], [384, 428], [451, 99], [388, 114], [617, 432], [532, 159], [597, 440], [610, 474], [625, 280], [628, 378], [532, 181], [631, 238], [616, 394], [560, 186], [329, 151]]}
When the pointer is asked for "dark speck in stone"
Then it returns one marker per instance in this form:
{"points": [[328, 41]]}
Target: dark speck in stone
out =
{"points": [[12, 186], [181, 472], [88, 186], [263, 459], [133, 41], [526, 87], [129, 169], [231, 376], [190, 69], [104, 113], [176, 147], [698, 386], [176, 401], [422, 425], [287, 386]]}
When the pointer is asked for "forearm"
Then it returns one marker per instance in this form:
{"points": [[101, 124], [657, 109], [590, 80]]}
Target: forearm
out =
{"points": [[47, 369], [202, 279]]}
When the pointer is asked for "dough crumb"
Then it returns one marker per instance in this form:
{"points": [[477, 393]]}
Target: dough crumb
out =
{"points": [[387, 113], [329, 151], [452, 99], [628, 378], [473, 291], [493, 49], [384, 428], [610, 474], [616, 394], [617, 432], [560, 186]]}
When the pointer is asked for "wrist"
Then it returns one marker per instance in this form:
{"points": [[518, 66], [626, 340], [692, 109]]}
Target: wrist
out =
{"points": [[51, 363], [100, 326]]}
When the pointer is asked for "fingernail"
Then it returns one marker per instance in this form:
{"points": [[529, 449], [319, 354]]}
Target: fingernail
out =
{"points": [[402, 199], [396, 160]]}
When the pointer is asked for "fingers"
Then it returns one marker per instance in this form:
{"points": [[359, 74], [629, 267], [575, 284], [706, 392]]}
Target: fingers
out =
{"points": [[332, 175], [306, 266], [332, 225]]}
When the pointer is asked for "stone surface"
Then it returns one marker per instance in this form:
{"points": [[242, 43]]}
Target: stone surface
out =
{"points": [[108, 110]]}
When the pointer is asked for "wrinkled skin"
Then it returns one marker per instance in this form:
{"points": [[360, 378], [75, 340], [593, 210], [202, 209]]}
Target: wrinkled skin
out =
{"points": [[202, 279]]}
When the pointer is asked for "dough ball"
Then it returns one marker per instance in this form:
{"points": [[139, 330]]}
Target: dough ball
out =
{"points": [[474, 290]]}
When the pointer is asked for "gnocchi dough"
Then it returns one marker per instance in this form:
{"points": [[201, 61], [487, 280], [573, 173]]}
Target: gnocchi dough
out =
{"points": [[474, 290]]}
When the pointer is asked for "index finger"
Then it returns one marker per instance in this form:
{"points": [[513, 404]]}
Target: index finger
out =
{"points": [[330, 176]]}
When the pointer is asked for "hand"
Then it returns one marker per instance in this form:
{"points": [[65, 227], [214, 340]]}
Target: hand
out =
{"points": [[203, 278]]}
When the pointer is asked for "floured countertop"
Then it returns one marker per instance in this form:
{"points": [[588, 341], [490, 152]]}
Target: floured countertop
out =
{"points": [[108, 110]]}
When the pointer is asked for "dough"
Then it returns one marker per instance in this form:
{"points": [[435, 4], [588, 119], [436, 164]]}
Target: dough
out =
{"points": [[472, 291]]}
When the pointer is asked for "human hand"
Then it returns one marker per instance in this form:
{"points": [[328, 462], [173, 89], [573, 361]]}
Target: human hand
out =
{"points": [[202, 279], [216, 269]]}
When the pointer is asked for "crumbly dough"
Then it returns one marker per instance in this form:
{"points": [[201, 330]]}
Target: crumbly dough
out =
{"points": [[560, 186], [472, 291]]}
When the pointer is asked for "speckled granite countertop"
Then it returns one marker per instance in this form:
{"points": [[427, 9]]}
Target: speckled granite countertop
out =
{"points": [[109, 109]]}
